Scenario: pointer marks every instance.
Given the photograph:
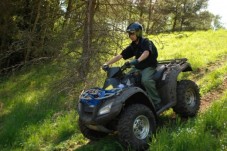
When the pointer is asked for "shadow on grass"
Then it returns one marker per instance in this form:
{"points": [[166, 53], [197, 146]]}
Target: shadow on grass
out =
{"points": [[109, 143], [23, 115], [27, 105], [171, 120]]}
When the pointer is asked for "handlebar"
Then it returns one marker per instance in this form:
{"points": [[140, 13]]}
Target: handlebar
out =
{"points": [[126, 66], [123, 67]]}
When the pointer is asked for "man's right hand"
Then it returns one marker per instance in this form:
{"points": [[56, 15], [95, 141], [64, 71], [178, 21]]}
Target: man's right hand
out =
{"points": [[127, 64], [105, 67]]}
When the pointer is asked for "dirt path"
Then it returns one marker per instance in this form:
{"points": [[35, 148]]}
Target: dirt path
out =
{"points": [[213, 95], [216, 93], [200, 72]]}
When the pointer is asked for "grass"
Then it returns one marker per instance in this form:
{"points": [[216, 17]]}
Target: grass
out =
{"points": [[199, 47], [213, 79], [34, 116], [206, 132]]}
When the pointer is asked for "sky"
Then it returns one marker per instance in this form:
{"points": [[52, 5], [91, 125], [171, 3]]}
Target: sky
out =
{"points": [[219, 7]]}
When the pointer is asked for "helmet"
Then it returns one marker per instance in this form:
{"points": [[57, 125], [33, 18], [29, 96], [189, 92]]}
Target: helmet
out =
{"points": [[135, 28]]}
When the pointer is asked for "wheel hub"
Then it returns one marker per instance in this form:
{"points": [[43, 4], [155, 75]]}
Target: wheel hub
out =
{"points": [[141, 127], [190, 98]]}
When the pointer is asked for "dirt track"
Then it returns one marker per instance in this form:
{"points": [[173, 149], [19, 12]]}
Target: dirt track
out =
{"points": [[216, 93], [211, 96]]}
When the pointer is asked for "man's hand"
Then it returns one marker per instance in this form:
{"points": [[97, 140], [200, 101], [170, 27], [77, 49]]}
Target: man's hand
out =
{"points": [[105, 67], [134, 62], [127, 64]]}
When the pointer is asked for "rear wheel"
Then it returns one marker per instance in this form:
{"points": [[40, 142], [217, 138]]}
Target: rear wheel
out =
{"points": [[89, 133], [188, 98], [136, 126]]}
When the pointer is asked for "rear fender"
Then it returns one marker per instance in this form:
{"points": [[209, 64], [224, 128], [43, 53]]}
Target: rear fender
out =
{"points": [[186, 67], [168, 91]]}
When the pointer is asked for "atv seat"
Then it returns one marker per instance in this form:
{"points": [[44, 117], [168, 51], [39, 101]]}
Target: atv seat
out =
{"points": [[159, 72]]}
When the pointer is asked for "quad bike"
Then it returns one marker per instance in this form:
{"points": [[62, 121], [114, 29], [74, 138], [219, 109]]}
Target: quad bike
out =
{"points": [[126, 109]]}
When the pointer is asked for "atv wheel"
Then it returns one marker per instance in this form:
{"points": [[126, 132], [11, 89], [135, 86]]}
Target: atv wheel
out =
{"points": [[136, 126], [89, 133], [188, 98]]}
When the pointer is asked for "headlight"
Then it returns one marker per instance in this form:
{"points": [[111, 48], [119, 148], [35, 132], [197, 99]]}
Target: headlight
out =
{"points": [[106, 109]]}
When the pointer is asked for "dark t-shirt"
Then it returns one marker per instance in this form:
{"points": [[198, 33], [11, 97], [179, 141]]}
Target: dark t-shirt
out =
{"points": [[137, 50]]}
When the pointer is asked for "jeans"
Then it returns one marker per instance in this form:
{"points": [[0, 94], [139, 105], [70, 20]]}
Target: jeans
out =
{"points": [[149, 83]]}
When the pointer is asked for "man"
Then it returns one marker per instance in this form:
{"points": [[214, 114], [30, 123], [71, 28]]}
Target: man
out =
{"points": [[145, 59]]}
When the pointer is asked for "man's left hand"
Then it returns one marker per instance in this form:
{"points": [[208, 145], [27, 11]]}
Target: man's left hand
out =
{"points": [[134, 62]]}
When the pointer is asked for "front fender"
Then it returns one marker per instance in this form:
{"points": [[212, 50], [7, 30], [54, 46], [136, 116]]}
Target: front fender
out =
{"points": [[132, 95], [128, 92]]}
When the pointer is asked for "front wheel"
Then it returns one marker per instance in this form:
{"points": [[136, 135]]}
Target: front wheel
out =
{"points": [[136, 126], [188, 98]]}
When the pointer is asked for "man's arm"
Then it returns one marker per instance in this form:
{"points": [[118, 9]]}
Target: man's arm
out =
{"points": [[144, 55], [113, 60]]}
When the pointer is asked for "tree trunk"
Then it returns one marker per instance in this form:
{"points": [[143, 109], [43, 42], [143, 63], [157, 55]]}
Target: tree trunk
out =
{"points": [[141, 8], [150, 13], [182, 23], [68, 12], [175, 19], [31, 34], [84, 61], [184, 11], [149, 17], [174, 23]]}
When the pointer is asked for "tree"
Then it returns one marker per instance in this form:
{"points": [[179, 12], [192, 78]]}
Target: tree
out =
{"points": [[32, 25], [216, 24], [84, 61], [86, 31]]}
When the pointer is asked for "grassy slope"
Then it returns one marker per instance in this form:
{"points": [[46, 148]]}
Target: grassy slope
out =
{"points": [[34, 117], [207, 132]]}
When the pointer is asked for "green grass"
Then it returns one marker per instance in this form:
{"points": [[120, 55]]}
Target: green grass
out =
{"points": [[34, 116], [206, 132], [213, 79], [199, 47], [32, 113]]}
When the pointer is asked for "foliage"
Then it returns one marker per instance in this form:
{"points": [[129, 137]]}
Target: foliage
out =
{"points": [[33, 31], [27, 29]]}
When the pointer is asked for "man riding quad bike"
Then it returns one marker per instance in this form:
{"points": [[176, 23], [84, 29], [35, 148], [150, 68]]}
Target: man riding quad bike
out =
{"points": [[130, 103], [127, 109]]}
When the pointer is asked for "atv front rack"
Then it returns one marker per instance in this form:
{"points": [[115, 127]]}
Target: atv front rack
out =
{"points": [[93, 96]]}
